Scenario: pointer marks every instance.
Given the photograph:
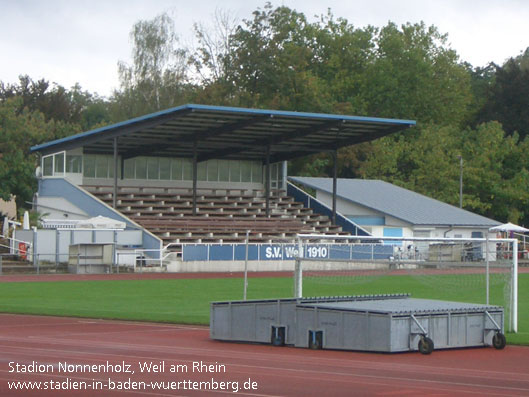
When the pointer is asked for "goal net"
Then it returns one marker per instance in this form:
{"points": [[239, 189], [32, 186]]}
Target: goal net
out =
{"points": [[473, 270]]}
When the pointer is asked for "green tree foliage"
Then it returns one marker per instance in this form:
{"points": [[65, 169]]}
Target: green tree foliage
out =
{"points": [[415, 75], [19, 130], [157, 78], [495, 171], [507, 96], [73, 106]]}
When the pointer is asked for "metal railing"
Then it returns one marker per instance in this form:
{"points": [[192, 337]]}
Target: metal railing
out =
{"points": [[14, 249]]}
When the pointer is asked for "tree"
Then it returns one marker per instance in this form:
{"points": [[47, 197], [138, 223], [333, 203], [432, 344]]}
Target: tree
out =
{"points": [[19, 130], [211, 58], [507, 99], [157, 79], [55, 102], [415, 75], [495, 168]]}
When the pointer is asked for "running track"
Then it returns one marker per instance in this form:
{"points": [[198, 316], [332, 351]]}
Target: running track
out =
{"points": [[278, 371]]}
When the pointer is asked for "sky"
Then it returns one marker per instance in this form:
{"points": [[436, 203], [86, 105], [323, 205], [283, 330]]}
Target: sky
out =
{"points": [[82, 41]]}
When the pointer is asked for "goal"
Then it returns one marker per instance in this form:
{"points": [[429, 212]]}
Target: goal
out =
{"points": [[473, 270]]}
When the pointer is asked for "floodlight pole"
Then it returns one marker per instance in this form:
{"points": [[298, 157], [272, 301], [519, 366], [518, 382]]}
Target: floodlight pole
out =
{"points": [[246, 265], [195, 144], [267, 181], [115, 191], [460, 181], [334, 184], [514, 306], [487, 273]]}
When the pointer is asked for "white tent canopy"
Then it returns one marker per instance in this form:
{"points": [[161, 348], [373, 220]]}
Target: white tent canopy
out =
{"points": [[509, 227]]}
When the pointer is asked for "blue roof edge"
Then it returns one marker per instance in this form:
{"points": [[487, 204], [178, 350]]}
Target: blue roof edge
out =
{"points": [[285, 113]]}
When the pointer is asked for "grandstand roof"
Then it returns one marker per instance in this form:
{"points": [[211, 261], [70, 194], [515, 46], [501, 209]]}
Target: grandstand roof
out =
{"points": [[228, 132], [397, 202]]}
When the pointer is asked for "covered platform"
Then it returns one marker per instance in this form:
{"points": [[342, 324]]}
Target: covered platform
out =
{"points": [[377, 323]]}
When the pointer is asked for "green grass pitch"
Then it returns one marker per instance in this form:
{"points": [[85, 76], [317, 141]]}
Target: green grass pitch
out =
{"points": [[186, 301]]}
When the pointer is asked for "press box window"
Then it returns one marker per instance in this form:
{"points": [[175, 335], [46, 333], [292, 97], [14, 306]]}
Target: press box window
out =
{"points": [[53, 164], [74, 164]]}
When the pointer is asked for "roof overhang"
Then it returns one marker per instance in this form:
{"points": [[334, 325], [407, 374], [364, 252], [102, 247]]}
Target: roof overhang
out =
{"points": [[228, 133]]}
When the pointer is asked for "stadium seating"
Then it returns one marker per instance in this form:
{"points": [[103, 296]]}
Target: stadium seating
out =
{"points": [[222, 216]]}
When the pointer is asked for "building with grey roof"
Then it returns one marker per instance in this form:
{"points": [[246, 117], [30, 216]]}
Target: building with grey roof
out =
{"points": [[387, 210]]}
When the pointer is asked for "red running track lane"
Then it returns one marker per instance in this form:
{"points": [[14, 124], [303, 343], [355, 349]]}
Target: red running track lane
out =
{"points": [[277, 371]]}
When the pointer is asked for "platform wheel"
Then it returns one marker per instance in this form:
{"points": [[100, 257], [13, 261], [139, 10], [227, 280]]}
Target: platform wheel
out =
{"points": [[425, 345], [499, 341]]}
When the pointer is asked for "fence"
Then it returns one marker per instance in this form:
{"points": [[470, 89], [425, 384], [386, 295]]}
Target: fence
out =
{"points": [[275, 252]]}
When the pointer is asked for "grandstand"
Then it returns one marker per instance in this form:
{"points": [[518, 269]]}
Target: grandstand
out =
{"points": [[199, 174], [223, 216]]}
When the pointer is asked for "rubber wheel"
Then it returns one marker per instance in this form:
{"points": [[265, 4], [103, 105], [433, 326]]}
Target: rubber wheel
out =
{"points": [[499, 341], [426, 345]]}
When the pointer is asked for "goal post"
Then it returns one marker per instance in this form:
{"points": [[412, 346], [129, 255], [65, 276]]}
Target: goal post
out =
{"points": [[474, 270]]}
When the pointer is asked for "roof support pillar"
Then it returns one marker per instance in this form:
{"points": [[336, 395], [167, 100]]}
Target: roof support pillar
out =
{"points": [[115, 192], [267, 181], [195, 168], [334, 183]]}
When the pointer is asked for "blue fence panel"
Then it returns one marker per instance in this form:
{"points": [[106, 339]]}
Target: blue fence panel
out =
{"points": [[240, 252], [268, 252], [338, 251], [290, 251], [383, 251], [220, 252], [264, 252], [195, 252], [317, 251]]}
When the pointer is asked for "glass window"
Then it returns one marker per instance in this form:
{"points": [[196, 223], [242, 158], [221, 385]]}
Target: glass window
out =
{"points": [[213, 170], [110, 163], [224, 170], [176, 169], [141, 168], [47, 166], [246, 171], [89, 166], [152, 168], [128, 170], [202, 171], [187, 166], [257, 172], [59, 163], [101, 167], [165, 168], [73, 163], [235, 171]]}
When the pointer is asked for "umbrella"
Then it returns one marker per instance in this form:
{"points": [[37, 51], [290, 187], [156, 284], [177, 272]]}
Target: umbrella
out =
{"points": [[509, 227], [25, 225]]}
